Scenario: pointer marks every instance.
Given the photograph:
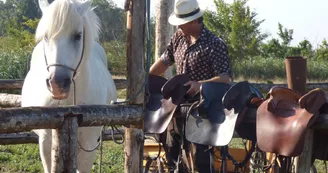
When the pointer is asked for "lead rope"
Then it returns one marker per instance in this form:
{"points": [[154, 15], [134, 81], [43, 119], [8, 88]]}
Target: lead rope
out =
{"points": [[100, 138]]}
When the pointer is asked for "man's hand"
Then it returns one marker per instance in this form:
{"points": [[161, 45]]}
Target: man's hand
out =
{"points": [[194, 87]]}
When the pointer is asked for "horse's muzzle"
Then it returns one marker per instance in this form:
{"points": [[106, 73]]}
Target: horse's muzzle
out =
{"points": [[59, 86]]}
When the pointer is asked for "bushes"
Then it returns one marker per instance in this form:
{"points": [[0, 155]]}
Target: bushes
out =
{"points": [[259, 69], [14, 64], [265, 69]]}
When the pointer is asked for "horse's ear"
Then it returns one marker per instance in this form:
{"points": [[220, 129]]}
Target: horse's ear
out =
{"points": [[43, 4], [84, 7]]}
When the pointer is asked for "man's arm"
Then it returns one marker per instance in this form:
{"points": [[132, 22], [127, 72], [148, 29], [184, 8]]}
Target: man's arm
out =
{"points": [[158, 68], [166, 59]]}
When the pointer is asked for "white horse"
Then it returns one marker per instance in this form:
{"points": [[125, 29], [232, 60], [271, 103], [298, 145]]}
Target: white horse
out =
{"points": [[67, 54]]}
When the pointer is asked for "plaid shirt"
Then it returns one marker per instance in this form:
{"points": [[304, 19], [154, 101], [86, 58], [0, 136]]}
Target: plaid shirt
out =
{"points": [[202, 60]]}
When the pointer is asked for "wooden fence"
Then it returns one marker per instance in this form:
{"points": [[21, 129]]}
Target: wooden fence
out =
{"points": [[67, 119]]}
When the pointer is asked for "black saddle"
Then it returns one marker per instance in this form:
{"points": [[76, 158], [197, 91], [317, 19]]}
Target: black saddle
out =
{"points": [[244, 99], [164, 97], [207, 122]]}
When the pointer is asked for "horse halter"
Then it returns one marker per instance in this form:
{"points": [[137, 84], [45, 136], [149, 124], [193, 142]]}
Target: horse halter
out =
{"points": [[63, 65]]}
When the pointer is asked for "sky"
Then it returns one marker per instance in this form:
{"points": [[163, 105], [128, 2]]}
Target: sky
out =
{"points": [[308, 19]]}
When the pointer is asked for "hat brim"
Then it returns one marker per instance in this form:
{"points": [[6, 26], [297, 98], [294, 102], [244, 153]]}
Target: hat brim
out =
{"points": [[174, 20]]}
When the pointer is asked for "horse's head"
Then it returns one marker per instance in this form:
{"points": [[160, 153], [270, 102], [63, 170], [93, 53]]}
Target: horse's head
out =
{"points": [[66, 31]]}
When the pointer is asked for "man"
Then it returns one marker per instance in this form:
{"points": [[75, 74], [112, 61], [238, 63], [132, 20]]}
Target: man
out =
{"points": [[203, 57]]}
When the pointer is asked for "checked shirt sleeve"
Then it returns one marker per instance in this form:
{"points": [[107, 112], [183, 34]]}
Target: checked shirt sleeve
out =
{"points": [[168, 56], [220, 59]]}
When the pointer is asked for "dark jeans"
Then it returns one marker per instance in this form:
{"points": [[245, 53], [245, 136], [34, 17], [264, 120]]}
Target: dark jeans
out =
{"points": [[203, 156]]}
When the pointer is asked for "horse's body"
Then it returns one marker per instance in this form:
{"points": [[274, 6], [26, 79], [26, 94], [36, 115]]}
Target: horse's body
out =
{"points": [[67, 34]]}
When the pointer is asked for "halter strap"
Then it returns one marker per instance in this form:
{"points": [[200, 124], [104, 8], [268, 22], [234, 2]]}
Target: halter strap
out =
{"points": [[65, 66]]}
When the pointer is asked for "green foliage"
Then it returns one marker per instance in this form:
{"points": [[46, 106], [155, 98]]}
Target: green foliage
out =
{"points": [[236, 24], [258, 68], [14, 64], [113, 20], [116, 55], [14, 12], [322, 52], [282, 49], [264, 69], [21, 33]]}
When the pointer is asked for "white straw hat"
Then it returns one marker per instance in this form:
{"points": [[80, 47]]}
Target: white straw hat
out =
{"points": [[185, 11]]}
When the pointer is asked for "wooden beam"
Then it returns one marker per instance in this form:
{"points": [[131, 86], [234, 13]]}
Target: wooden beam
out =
{"points": [[64, 146], [11, 84], [14, 120], [10, 100], [19, 138], [25, 119], [134, 137]]}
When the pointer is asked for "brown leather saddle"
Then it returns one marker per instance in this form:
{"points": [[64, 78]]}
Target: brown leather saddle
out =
{"points": [[207, 121], [243, 98], [163, 98], [283, 118]]}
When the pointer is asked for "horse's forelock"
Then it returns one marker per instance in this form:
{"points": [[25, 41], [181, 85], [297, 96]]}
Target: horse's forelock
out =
{"points": [[62, 16]]}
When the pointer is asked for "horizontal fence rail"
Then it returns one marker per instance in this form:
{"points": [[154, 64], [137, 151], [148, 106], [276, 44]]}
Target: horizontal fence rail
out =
{"points": [[321, 123], [14, 120]]}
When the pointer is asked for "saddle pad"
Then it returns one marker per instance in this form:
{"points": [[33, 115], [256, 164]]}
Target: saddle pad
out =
{"points": [[207, 122], [283, 119]]}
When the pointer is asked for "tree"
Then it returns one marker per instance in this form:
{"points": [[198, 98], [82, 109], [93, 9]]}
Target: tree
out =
{"points": [[237, 25], [281, 48], [286, 35], [113, 20], [322, 52]]}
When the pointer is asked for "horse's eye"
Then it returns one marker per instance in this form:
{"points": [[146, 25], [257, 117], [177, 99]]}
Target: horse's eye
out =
{"points": [[77, 37]]}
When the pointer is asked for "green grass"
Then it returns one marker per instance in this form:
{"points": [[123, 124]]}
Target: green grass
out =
{"points": [[20, 158], [25, 158]]}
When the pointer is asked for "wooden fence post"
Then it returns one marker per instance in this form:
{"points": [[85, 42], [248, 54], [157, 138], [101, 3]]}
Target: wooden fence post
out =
{"points": [[296, 70], [64, 146], [134, 136]]}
